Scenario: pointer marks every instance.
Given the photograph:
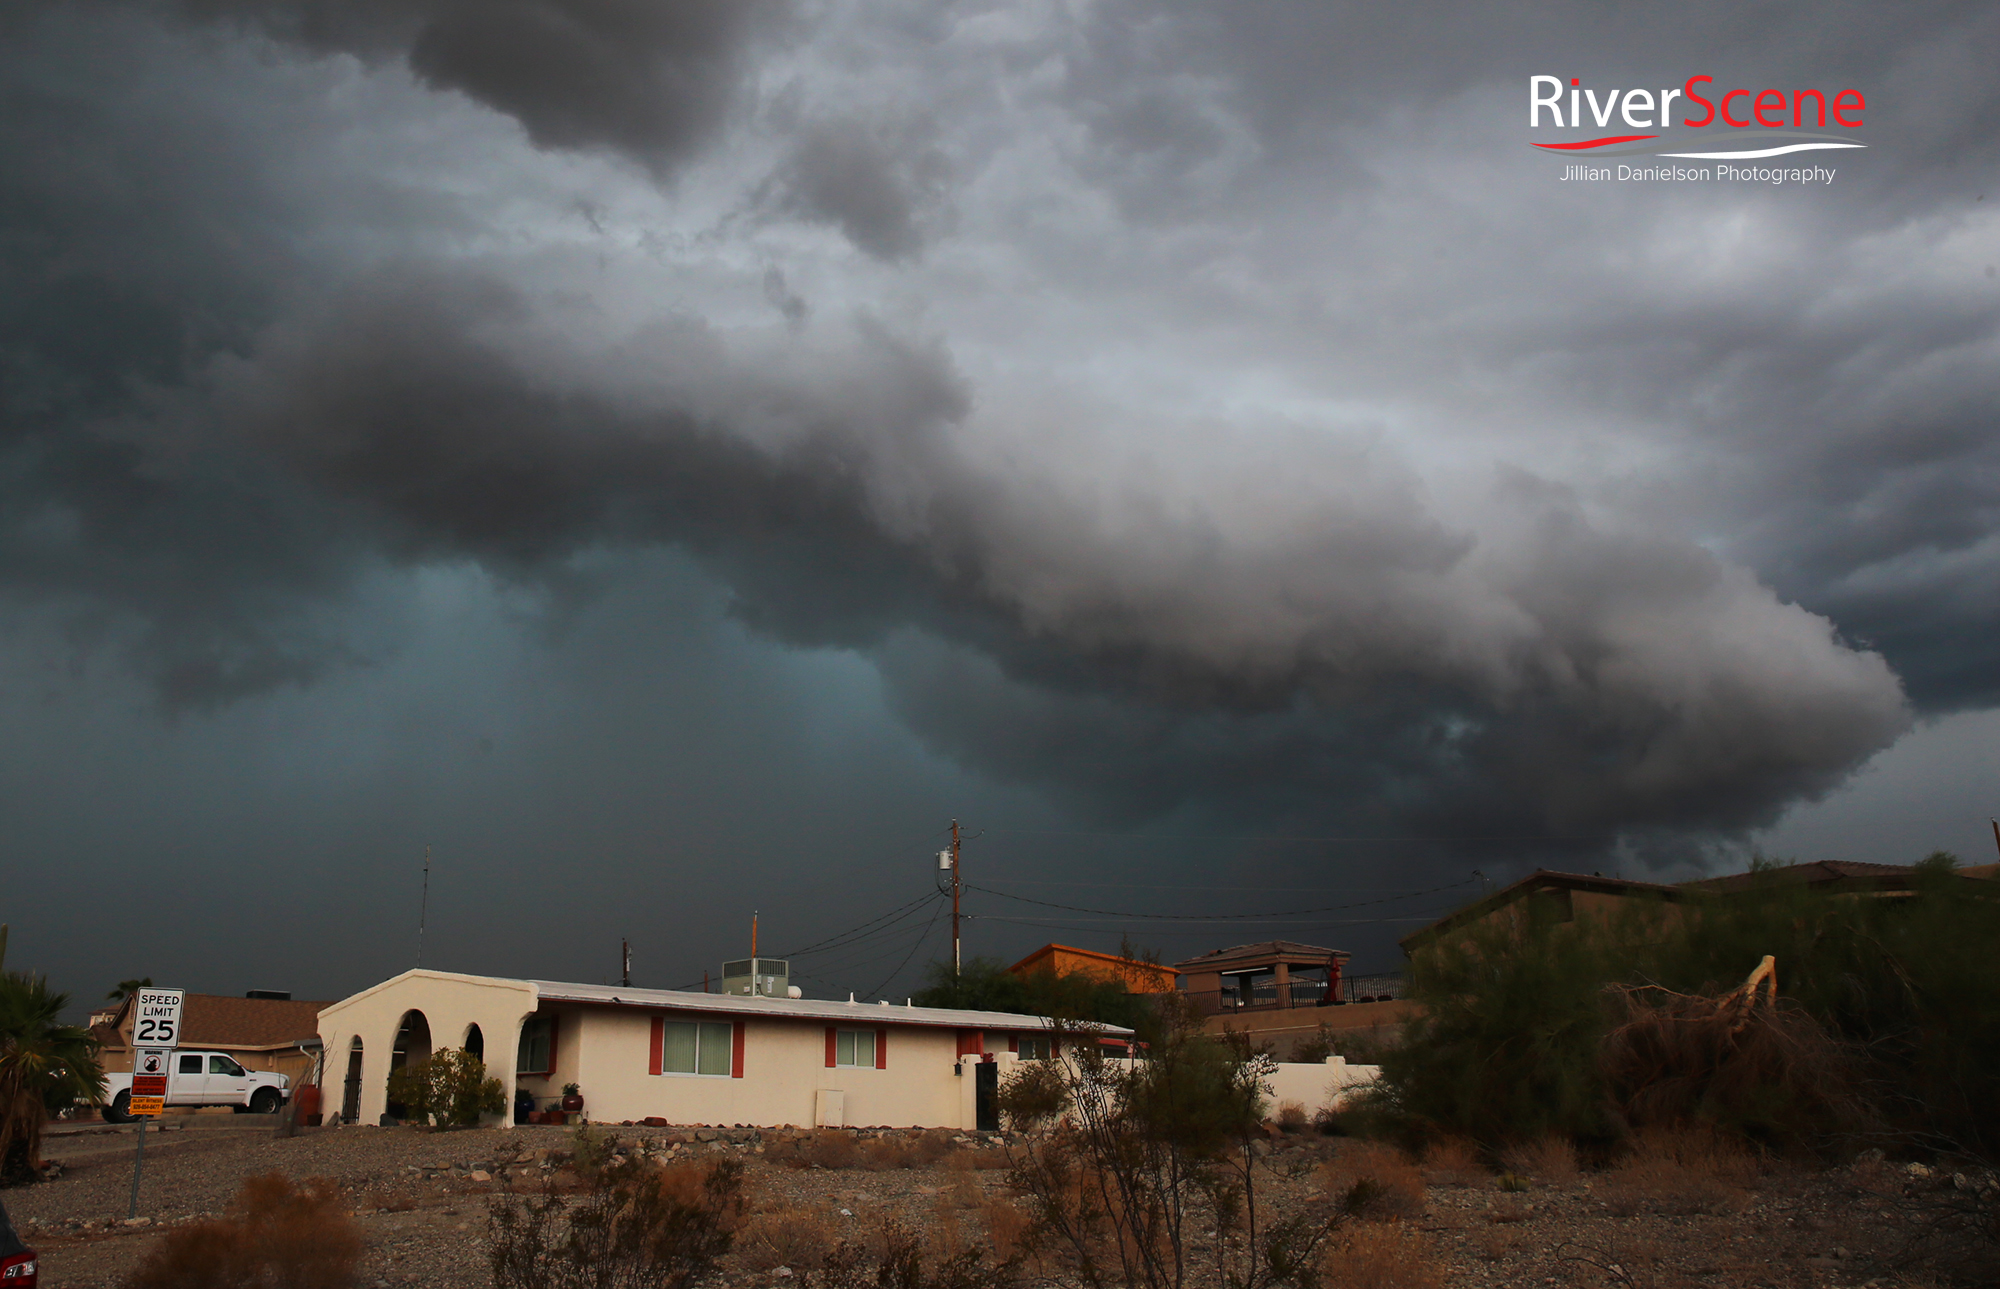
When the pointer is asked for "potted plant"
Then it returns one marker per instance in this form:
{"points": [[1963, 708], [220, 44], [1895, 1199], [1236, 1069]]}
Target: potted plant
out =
{"points": [[572, 1099]]}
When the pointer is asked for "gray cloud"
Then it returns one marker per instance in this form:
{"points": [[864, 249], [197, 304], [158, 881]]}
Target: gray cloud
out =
{"points": [[881, 195], [651, 81]]}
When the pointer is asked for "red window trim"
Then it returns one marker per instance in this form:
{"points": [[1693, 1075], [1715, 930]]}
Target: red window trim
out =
{"points": [[659, 1044], [881, 1049], [736, 1052], [832, 1045], [543, 1074]]}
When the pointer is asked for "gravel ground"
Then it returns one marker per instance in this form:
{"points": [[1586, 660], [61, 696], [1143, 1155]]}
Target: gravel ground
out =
{"points": [[421, 1200]]}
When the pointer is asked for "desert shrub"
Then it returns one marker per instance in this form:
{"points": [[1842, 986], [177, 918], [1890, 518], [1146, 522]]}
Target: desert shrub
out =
{"points": [[1546, 1159], [794, 1237], [1292, 1116], [590, 1149], [887, 1153], [898, 1262], [1452, 1161], [1379, 1255], [448, 1088], [1506, 1043], [1679, 1171], [1144, 1155], [636, 1226], [830, 1148], [1373, 1179], [276, 1234], [931, 1147]]}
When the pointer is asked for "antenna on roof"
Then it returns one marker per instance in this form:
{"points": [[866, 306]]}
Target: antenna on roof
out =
{"points": [[625, 963], [424, 908]]}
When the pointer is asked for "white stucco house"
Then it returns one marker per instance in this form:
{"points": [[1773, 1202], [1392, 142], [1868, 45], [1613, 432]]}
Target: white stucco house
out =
{"points": [[687, 1058]]}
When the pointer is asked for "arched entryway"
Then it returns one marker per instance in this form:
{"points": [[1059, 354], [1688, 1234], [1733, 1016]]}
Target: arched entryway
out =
{"points": [[413, 1044], [475, 1042], [350, 1094]]}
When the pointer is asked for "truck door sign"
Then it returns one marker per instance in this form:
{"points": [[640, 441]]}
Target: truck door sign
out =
{"points": [[156, 1018]]}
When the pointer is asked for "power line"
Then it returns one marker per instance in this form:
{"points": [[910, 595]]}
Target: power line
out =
{"points": [[821, 946], [911, 954]]}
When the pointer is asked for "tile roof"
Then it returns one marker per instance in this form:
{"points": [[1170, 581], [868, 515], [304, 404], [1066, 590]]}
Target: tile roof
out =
{"points": [[1138, 965], [1287, 949], [219, 1020]]}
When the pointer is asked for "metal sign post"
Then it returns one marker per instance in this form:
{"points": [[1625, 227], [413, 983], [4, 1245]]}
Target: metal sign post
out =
{"points": [[156, 1032]]}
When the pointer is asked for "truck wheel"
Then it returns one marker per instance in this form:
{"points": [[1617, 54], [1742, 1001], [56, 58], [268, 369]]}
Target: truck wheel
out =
{"points": [[265, 1101], [120, 1109]]}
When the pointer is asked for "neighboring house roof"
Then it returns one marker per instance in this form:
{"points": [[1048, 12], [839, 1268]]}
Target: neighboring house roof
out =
{"points": [[1542, 879], [1262, 951], [1131, 966], [1822, 873], [218, 1020], [1817, 873], [870, 1014]]}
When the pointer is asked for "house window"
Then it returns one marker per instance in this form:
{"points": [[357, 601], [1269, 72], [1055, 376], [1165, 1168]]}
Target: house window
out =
{"points": [[1034, 1049], [696, 1047], [855, 1047], [538, 1046]]}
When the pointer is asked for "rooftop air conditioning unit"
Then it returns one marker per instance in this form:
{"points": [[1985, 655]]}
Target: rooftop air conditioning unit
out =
{"points": [[757, 978]]}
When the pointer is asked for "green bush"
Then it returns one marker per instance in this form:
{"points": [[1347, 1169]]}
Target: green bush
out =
{"points": [[985, 984], [449, 1089], [1511, 1036]]}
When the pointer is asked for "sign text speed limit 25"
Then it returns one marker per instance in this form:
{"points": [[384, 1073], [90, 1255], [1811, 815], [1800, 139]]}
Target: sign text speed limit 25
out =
{"points": [[156, 1018]]}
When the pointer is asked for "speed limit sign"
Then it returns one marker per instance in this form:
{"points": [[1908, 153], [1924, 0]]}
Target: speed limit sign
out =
{"points": [[156, 1018]]}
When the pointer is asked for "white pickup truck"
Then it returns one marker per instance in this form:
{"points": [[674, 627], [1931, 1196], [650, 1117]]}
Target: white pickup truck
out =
{"points": [[201, 1079]]}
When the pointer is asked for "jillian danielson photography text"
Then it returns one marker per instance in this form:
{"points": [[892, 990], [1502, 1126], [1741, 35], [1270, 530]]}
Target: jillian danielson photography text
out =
{"points": [[1777, 175]]}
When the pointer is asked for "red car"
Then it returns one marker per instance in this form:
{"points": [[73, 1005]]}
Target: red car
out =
{"points": [[18, 1263]]}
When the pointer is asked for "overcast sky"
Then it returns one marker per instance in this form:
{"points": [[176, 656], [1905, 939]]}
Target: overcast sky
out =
{"points": [[672, 459]]}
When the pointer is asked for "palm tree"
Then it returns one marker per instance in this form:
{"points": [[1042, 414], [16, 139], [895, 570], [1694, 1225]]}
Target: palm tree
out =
{"points": [[126, 988], [44, 1065]]}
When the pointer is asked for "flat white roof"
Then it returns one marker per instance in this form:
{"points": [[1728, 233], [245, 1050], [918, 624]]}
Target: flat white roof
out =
{"points": [[800, 1008]]}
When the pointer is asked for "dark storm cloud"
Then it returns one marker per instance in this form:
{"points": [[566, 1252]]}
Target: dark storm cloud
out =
{"points": [[1283, 494], [1544, 670], [652, 81]]}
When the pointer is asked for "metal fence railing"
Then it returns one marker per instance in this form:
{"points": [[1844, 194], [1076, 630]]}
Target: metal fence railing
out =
{"points": [[1304, 993]]}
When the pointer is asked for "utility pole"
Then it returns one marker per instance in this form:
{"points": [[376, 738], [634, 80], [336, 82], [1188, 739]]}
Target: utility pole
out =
{"points": [[955, 903], [625, 963], [424, 909]]}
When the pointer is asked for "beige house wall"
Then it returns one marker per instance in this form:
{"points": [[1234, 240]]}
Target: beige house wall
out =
{"points": [[1318, 1087], [607, 1052], [451, 1004], [784, 1070]]}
